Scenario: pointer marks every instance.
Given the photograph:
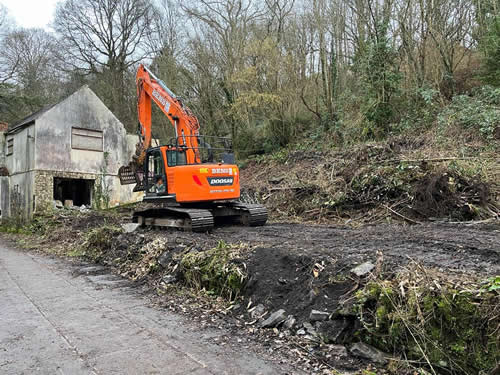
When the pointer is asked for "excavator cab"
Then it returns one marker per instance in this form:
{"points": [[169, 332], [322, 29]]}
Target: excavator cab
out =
{"points": [[201, 173]]}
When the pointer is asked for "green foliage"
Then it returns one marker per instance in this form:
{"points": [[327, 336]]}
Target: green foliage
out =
{"points": [[490, 46], [102, 189], [421, 109], [381, 79], [39, 225], [97, 242], [215, 270], [480, 112], [492, 284]]}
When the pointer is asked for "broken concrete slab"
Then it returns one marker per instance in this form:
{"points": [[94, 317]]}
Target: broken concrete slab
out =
{"points": [[317, 316], [366, 351], [363, 269], [274, 320], [165, 258], [130, 227]]}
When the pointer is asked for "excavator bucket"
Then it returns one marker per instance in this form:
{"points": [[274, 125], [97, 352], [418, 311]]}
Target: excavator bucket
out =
{"points": [[127, 175]]}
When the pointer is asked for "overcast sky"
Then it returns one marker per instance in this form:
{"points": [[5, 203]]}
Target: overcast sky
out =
{"points": [[31, 13]]}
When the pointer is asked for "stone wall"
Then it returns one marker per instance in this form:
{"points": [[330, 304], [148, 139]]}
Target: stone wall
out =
{"points": [[44, 186]]}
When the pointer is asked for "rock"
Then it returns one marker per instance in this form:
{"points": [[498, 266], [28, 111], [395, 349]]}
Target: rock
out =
{"points": [[332, 331], [275, 319], [58, 204], [68, 203], [289, 322], [130, 227], [317, 316], [169, 279], [366, 351], [165, 258], [309, 328], [258, 311], [301, 332], [363, 269], [84, 208], [337, 351]]}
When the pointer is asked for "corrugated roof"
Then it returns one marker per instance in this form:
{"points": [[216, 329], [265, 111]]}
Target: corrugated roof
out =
{"points": [[28, 120]]}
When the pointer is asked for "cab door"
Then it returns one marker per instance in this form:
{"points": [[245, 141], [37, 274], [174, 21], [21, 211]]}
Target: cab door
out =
{"points": [[155, 170]]}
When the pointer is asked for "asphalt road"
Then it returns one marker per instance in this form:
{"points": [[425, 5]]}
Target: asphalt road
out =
{"points": [[56, 321]]}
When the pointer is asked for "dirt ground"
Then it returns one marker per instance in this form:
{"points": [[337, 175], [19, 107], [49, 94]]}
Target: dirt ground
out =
{"points": [[284, 255], [294, 267]]}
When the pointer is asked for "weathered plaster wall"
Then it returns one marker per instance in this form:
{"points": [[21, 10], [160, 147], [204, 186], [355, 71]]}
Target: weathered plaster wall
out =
{"points": [[22, 159], [85, 110], [4, 196], [21, 194], [17, 193]]}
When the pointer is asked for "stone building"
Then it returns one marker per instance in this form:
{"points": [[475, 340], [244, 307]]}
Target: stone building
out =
{"points": [[70, 151]]}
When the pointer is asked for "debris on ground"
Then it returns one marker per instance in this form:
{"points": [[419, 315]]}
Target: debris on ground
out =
{"points": [[375, 183]]}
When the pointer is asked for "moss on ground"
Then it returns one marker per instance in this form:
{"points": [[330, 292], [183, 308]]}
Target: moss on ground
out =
{"points": [[216, 270], [452, 326]]}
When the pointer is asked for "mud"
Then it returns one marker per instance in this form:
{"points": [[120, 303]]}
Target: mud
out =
{"points": [[284, 256]]}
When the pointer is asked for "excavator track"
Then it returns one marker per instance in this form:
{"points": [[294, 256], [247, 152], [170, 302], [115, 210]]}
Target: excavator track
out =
{"points": [[201, 217], [253, 215], [188, 219]]}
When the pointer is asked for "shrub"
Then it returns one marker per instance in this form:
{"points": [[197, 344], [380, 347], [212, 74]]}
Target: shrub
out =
{"points": [[480, 112]]}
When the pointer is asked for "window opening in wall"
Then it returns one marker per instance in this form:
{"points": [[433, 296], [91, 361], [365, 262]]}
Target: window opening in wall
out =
{"points": [[78, 190], [10, 146], [86, 139]]}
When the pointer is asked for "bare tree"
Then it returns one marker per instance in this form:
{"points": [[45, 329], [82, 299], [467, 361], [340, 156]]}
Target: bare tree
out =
{"points": [[32, 81], [226, 26], [29, 54], [103, 39], [7, 68], [104, 34]]}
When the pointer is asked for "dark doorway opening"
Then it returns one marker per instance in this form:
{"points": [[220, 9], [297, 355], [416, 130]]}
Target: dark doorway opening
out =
{"points": [[76, 189]]}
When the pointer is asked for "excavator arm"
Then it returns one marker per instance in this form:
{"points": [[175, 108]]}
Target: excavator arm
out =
{"points": [[151, 89]]}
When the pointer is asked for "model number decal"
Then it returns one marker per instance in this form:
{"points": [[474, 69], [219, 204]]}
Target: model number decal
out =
{"points": [[220, 181], [222, 171]]}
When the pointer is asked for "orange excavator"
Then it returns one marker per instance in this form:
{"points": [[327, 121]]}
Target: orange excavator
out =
{"points": [[190, 183]]}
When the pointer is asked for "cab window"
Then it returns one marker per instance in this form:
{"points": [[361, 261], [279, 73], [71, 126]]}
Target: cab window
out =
{"points": [[175, 158]]}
